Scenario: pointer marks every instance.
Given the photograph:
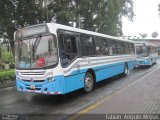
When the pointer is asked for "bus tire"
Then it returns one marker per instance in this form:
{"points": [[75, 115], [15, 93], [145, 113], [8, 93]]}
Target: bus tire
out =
{"points": [[155, 61], [88, 82], [126, 70]]}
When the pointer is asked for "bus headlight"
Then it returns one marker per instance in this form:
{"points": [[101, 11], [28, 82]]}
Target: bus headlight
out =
{"points": [[50, 79], [17, 75]]}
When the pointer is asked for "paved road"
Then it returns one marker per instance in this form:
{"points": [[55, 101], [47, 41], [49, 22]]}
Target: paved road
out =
{"points": [[141, 98], [14, 102]]}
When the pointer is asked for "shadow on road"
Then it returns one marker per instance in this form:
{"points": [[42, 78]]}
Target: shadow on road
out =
{"points": [[40, 99]]}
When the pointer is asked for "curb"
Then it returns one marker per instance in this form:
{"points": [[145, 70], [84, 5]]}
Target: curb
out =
{"points": [[9, 83]]}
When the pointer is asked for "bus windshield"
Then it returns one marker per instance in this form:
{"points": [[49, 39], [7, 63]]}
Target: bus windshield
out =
{"points": [[37, 52], [142, 51]]}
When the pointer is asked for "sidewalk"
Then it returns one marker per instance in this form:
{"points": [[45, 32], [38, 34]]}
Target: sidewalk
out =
{"points": [[140, 97]]}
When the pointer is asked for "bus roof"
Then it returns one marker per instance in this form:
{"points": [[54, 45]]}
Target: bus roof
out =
{"points": [[64, 27], [141, 43]]}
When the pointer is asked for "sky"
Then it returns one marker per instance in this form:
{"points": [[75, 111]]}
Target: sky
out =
{"points": [[146, 19]]}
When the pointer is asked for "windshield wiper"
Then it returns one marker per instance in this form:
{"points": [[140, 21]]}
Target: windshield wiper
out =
{"points": [[20, 47], [35, 45]]}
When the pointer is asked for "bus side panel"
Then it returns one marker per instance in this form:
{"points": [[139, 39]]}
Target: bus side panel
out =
{"points": [[76, 79], [119, 68], [148, 61], [99, 74], [109, 71], [144, 62], [74, 82], [60, 80], [154, 60], [131, 64]]}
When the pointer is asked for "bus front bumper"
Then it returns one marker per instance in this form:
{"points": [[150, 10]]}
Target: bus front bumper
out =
{"points": [[45, 87]]}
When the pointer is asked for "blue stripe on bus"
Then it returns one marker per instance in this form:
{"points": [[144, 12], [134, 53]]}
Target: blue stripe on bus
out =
{"points": [[146, 61], [66, 84], [76, 81]]}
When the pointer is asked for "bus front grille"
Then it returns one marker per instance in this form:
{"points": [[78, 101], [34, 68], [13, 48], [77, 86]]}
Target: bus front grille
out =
{"points": [[33, 73], [28, 88], [34, 81]]}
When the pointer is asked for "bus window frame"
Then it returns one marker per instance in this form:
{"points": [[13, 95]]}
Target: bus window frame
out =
{"points": [[47, 67], [94, 45], [60, 31], [78, 44]]}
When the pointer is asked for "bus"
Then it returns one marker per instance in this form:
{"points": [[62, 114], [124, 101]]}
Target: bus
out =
{"points": [[147, 54], [158, 48], [56, 59]]}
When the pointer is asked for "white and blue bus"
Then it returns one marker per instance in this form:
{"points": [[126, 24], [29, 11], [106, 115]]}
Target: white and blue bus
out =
{"points": [[56, 59], [147, 54]]}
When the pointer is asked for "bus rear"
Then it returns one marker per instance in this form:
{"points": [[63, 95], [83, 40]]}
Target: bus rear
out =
{"points": [[36, 59]]}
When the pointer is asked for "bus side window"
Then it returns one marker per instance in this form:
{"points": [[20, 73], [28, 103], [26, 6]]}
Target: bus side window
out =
{"points": [[68, 48], [87, 45], [112, 47], [101, 46], [126, 47]]}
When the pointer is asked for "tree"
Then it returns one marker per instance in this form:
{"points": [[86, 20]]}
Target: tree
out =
{"points": [[95, 15], [104, 16], [6, 17], [6, 55], [60, 12], [16, 14], [109, 19]]}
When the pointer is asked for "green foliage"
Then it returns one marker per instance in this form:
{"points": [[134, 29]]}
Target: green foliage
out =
{"points": [[104, 16], [7, 75], [16, 14], [7, 57]]}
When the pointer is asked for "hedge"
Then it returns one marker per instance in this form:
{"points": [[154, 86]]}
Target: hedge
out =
{"points": [[7, 75]]}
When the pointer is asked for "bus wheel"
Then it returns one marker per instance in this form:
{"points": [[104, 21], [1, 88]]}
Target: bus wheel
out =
{"points": [[126, 70], [88, 82], [155, 62]]}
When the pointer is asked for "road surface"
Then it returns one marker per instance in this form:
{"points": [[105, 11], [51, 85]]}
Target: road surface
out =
{"points": [[45, 106]]}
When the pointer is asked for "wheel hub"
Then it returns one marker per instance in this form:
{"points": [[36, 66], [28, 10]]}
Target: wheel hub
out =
{"points": [[88, 82]]}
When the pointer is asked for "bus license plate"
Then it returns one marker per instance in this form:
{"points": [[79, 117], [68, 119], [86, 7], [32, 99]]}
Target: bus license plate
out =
{"points": [[32, 86]]}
